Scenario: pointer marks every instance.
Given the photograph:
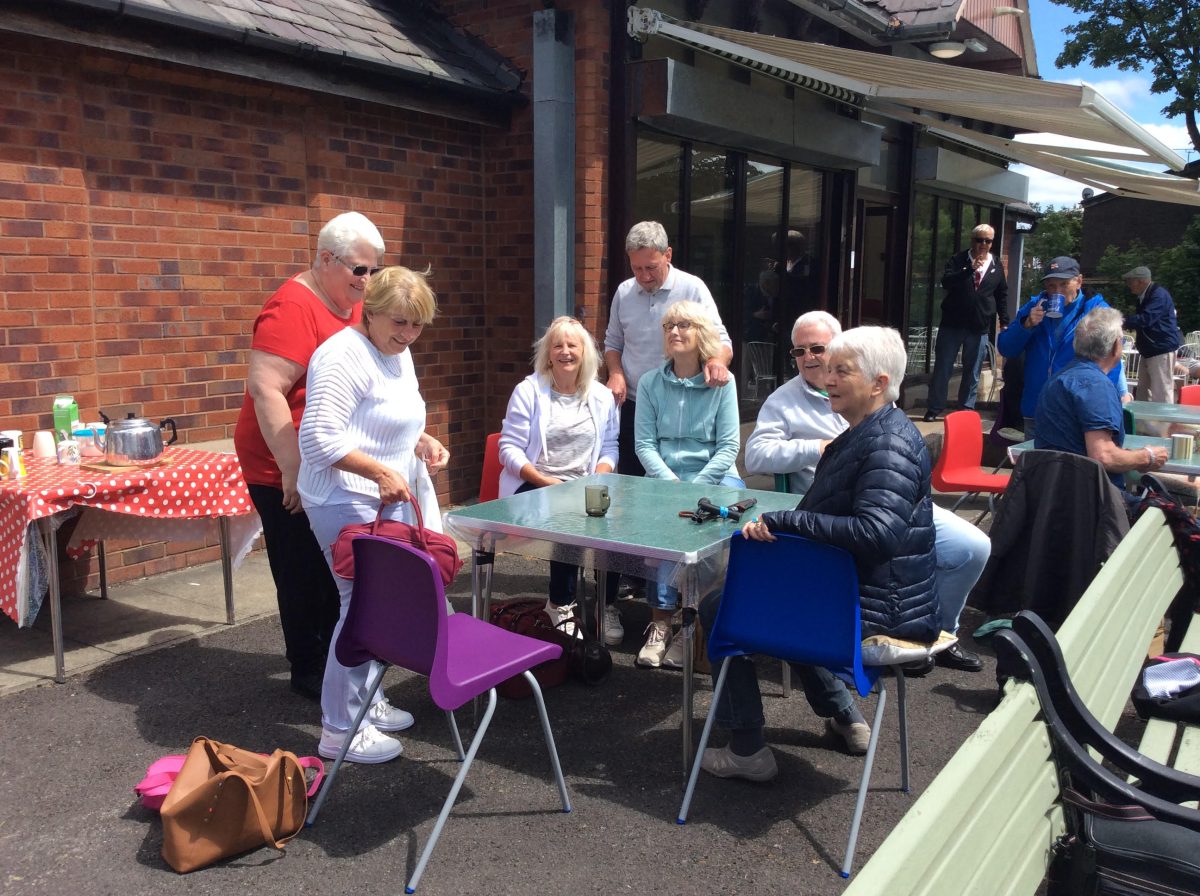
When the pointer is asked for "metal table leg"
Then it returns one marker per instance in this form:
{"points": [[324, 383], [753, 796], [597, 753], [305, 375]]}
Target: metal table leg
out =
{"points": [[226, 567], [49, 533], [102, 560], [691, 600]]}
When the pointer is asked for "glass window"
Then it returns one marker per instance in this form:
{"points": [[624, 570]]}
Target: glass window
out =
{"points": [[656, 196], [920, 350], [710, 251], [756, 359]]}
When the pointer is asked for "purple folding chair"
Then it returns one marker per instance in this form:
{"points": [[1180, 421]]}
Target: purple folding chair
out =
{"points": [[398, 616]]}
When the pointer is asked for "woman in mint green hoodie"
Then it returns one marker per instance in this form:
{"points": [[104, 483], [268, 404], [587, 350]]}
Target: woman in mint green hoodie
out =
{"points": [[686, 431]]}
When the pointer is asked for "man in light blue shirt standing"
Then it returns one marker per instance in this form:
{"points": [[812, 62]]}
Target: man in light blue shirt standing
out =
{"points": [[633, 343]]}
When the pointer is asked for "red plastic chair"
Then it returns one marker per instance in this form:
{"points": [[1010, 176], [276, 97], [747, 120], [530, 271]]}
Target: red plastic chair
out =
{"points": [[1190, 395], [489, 482], [958, 467], [398, 616]]}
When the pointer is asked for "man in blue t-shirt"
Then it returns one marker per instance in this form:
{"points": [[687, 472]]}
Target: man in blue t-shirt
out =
{"points": [[1079, 411]]}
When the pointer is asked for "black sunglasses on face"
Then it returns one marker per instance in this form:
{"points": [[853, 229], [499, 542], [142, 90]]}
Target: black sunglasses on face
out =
{"points": [[358, 270], [800, 350], [982, 239]]}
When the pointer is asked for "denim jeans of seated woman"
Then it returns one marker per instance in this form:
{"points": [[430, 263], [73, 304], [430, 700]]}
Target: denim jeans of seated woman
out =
{"points": [[665, 597]]}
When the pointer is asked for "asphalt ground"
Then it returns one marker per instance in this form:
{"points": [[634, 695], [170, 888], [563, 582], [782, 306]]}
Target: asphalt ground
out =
{"points": [[69, 821]]}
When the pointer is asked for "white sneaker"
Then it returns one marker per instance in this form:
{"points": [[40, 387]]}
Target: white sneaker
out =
{"points": [[386, 717], [673, 658], [614, 632], [370, 746], [652, 652], [562, 614]]}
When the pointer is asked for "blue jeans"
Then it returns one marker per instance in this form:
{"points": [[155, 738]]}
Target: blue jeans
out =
{"points": [[664, 596], [962, 552], [945, 350], [740, 705]]}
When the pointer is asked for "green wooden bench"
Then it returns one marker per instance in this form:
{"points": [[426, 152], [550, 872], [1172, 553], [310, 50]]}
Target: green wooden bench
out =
{"points": [[985, 825]]}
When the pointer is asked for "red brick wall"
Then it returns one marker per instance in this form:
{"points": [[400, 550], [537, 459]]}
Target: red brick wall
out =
{"points": [[148, 210], [508, 28]]}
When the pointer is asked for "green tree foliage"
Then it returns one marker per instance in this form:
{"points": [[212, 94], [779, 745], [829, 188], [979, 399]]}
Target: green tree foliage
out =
{"points": [[1160, 35], [1177, 268], [1059, 231]]}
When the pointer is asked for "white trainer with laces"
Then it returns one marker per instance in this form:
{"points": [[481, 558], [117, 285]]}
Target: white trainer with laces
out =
{"points": [[673, 658], [370, 746], [386, 717], [655, 648], [562, 614], [614, 632]]}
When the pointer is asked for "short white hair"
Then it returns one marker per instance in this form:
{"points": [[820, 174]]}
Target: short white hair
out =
{"points": [[877, 351], [347, 230], [817, 319]]}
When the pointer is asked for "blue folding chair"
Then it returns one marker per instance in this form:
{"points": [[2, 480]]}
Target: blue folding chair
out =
{"points": [[760, 614]]}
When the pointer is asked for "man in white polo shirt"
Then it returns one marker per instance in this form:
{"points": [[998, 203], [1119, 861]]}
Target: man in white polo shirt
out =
{"points": [[633, 343]]}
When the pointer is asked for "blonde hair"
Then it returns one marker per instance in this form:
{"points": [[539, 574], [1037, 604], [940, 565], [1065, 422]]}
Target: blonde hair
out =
{"points": [[708, 342], [589, 363], [400, 290]]}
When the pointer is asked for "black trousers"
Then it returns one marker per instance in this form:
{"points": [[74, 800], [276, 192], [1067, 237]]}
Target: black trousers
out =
{"points": [[304, 587], [628, 463]]}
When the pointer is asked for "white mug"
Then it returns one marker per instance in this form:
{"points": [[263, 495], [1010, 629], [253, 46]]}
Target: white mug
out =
{"points": [[44, 445]]}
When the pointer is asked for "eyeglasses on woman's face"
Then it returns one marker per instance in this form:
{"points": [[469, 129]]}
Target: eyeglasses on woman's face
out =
{"points": [[681, 325], [984, 239], [801, 350], [358, 270]]}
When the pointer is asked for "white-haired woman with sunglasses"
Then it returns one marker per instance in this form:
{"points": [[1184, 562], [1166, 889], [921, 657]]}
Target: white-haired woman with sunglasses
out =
{"points": [[304, 312], [561, 424], [683, 430]]}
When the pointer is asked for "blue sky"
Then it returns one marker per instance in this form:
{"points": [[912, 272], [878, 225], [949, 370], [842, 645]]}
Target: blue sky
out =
{"points": [[1129, 91]]}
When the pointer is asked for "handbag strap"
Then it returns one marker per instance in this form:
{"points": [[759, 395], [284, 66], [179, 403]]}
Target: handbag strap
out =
{"points": [[416, 506], [1105, 810], [314, 763], [264, 826]]}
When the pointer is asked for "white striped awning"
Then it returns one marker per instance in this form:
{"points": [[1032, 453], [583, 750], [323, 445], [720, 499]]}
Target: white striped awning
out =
{"points": [[944, 98]]}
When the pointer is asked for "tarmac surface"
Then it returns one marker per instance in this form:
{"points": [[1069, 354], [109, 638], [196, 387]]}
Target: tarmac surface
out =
{"points": [[155, 666]]}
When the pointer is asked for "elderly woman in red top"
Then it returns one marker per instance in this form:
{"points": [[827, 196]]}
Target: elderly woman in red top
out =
{"points": [[303, 313]]}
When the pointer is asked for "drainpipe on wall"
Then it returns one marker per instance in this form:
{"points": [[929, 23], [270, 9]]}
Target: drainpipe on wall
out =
{"points": [[553, 166]]}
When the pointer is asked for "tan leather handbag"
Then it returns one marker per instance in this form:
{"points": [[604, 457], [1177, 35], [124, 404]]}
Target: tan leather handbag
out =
{"points": [[227, 801]]}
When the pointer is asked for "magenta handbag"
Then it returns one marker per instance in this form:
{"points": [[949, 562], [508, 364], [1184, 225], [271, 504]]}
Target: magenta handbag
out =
{"points": [[442, 548]]}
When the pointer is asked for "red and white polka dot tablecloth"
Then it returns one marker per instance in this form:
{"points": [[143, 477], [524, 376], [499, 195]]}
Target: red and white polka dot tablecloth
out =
{"points": [[189, 490]]}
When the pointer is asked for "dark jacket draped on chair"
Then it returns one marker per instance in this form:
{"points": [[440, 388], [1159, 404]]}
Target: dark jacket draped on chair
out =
{"points": [[1058, 521]]}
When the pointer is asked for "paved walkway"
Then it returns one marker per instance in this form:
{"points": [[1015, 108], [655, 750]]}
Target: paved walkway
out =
{"points": [[156, 665]]}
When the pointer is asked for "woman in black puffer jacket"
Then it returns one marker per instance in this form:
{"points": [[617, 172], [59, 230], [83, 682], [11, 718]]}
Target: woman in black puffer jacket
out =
{"points": [[870, 494]]}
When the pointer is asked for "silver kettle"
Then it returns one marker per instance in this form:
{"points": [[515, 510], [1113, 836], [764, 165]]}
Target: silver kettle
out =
{"points": [[134, 441]]}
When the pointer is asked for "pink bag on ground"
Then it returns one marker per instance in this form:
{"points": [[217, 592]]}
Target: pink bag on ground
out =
{"points": [[161, 774]]}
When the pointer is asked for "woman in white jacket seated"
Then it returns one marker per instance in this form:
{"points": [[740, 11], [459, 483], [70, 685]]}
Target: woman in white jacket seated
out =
{"points": [[561, 424]]}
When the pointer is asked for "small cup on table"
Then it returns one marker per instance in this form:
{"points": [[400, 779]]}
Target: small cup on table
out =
{"points": [[596, 499], [1182, 445]]}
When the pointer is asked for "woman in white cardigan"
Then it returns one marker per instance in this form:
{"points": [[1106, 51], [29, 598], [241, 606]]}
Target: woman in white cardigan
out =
{"points": [[561, 424], [362, 444]]}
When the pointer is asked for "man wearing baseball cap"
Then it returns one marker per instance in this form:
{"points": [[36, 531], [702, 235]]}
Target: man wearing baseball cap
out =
{"points": [[1158, 336], [1044, 329]]}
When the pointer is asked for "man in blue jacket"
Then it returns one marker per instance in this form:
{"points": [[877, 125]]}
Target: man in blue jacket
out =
{"points": [[1046, 340], [1158, 336]]}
